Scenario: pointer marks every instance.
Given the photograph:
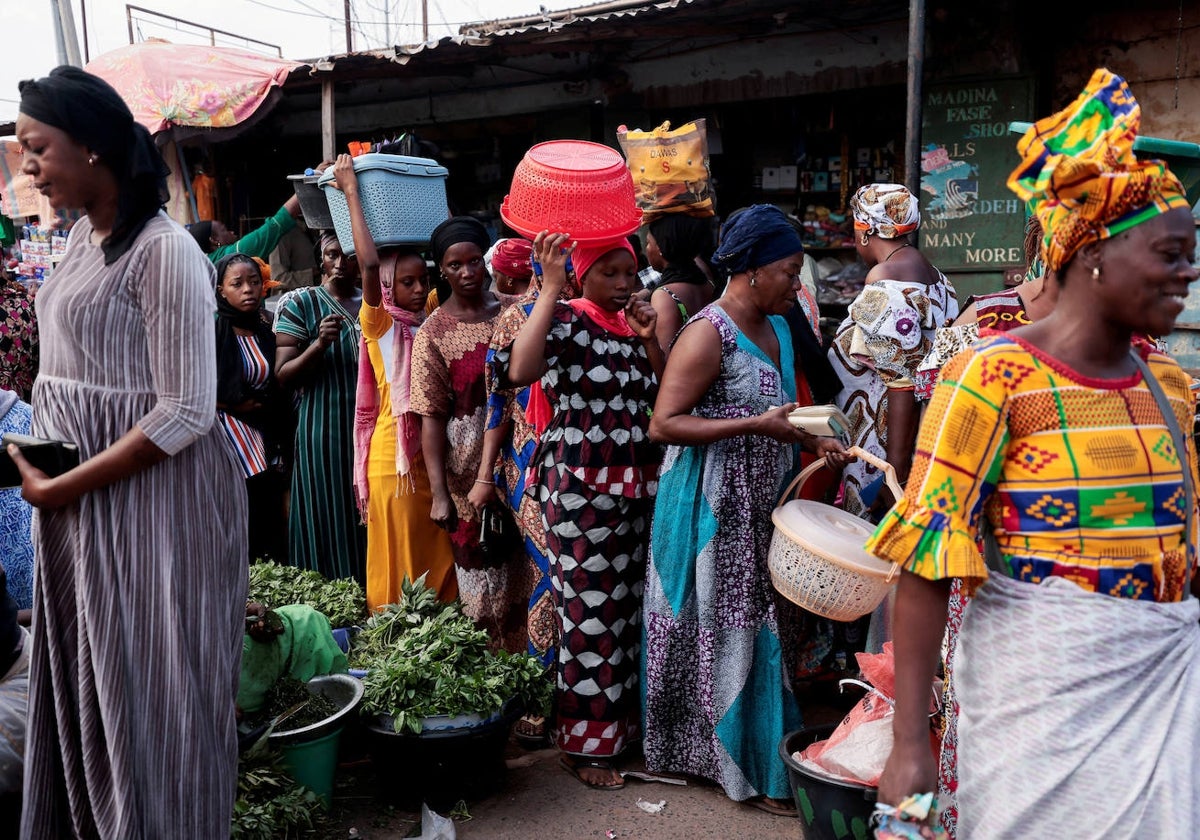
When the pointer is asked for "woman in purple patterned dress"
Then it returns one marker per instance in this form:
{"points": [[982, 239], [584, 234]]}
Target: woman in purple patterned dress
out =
{"points": [[718, 638]]}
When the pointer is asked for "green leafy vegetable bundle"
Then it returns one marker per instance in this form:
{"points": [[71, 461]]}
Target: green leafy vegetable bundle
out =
{"points": [[286, 694], [342, 601], [426, 658], [270, 805]]}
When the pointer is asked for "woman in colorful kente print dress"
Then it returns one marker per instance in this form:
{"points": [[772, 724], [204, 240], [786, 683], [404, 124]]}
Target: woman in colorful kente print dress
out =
{"points": [[516, 419], [1079, 660], [595, 473], [449, 394], [720, 642]]}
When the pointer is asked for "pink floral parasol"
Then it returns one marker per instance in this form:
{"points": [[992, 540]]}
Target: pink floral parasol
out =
{"points": [[186, 86]]}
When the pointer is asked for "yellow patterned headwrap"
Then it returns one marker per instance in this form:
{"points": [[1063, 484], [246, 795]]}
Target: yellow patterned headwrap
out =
{"points": [[1079, 174]]}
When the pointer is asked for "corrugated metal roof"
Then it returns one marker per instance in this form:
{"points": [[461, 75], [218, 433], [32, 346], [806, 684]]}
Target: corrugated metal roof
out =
{"points": [[550, 21], [611, 21]]}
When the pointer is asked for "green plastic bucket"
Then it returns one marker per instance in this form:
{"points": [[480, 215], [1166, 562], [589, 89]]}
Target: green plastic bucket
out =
{"points": [[312, 763]]}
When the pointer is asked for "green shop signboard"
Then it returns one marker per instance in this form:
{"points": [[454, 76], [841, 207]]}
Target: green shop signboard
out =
{"points": [[970, 220]]}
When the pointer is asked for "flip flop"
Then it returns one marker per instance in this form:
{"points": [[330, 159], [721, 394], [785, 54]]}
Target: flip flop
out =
{"points": [[574, 766], [773, 806]]}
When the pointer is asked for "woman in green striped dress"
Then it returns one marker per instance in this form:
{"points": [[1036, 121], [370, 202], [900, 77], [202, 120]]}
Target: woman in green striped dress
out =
{"points": [[317, 356]]}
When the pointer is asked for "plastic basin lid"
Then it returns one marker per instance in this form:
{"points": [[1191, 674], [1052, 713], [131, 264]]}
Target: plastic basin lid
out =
{"points": [[400, 164], [831, 533]]}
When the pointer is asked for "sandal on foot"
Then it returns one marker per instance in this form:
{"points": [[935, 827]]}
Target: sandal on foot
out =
{"points": [[573, 766], [530, 730], [776, 807]]}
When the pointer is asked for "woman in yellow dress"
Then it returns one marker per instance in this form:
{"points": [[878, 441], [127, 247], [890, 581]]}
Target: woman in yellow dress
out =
{"points": [[389, 471]]}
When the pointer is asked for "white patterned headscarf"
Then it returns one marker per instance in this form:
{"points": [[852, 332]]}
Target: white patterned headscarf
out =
{"points": [[886, 210]]}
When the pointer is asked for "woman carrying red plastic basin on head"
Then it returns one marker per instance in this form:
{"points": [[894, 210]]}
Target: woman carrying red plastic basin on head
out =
{"points": [[516, 419], [596, 472]]}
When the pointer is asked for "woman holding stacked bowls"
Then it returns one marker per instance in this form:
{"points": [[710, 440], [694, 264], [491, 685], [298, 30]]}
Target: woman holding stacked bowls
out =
{"points": [[390, 478], [718, 671], [449, 394]]}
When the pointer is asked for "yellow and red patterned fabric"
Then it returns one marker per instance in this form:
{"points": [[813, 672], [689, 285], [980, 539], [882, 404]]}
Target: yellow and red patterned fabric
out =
{"points": [[1079, 174], [1078, 477]]}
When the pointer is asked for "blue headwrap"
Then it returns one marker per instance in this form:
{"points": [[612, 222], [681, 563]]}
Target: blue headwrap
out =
{"points": [[754, 237]]}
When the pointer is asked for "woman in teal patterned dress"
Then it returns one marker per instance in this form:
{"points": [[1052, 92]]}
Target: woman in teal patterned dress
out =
{"points": [[317, 355], [718, 659]]}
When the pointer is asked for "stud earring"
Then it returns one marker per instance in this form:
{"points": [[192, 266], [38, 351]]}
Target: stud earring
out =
{"points": [[753, 281], [92, 158], [1096, 272]]}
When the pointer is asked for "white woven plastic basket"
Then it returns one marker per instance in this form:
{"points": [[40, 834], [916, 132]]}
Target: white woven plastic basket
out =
{"points": [[816, 557]]}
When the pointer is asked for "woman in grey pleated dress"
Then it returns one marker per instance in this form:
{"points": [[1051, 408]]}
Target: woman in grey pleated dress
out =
{"points": [[140, 583]]}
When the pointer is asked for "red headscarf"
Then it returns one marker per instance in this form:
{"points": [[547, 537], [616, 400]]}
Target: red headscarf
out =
{"points": [[511, 257]]}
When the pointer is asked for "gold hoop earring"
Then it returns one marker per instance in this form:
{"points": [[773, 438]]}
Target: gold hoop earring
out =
{"points": [[865, 239]]}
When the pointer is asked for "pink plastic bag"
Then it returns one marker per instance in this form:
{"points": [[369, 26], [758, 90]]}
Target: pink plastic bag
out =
{"points": [[858, 749]]}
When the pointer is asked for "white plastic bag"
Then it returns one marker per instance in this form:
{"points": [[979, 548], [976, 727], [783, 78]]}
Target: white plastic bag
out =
{"points": [[860, 756], [434, 826]]}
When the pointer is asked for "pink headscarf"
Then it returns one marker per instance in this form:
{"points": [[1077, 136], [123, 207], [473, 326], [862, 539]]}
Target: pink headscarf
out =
{"points": [[366, 398], [539, 412], [584, 257]]}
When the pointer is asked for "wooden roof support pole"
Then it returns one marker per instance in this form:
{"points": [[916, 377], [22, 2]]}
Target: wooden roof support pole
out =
{"points": [[328, 132], [916, 69]]}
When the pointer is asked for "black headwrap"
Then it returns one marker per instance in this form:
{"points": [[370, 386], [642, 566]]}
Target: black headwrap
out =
{"points": [[769, 235], [681, 239], [89, 110], [455, 230], [754, 237], [202, 233], [231, 384]]}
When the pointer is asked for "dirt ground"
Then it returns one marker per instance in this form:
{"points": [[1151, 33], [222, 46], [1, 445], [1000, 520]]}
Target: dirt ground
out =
{"points": [[538, 800]]}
